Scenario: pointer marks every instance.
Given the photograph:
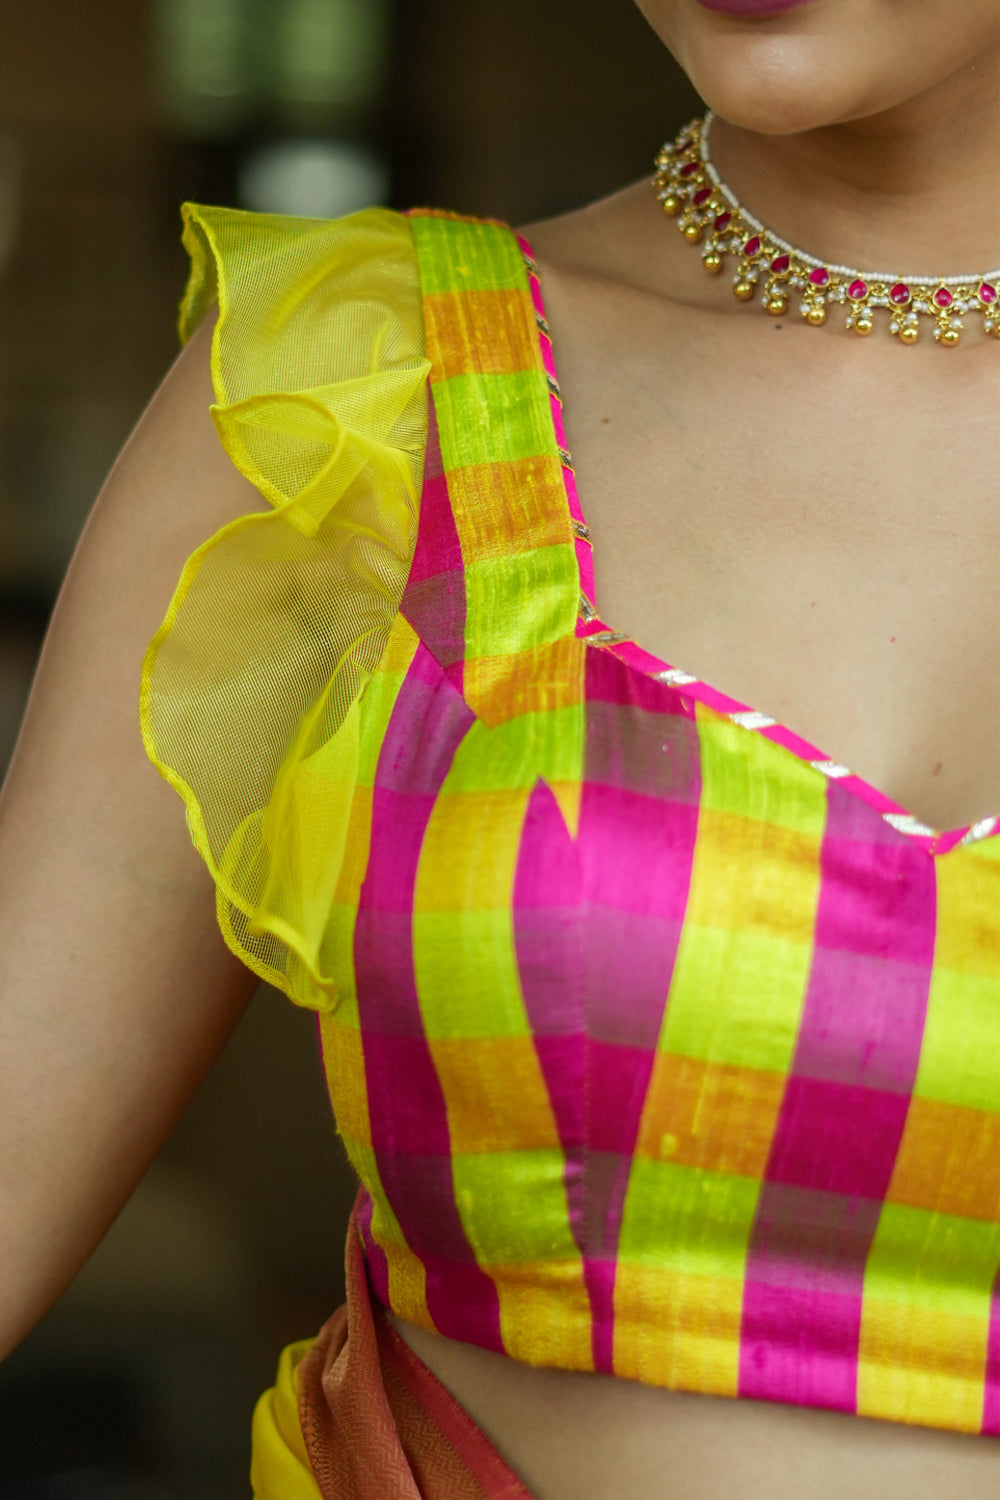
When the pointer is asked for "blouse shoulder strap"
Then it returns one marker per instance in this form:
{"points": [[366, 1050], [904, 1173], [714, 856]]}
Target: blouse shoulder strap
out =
{"points": [[501, 468]]}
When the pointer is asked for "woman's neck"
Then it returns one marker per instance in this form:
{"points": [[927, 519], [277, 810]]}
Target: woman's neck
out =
{"points": [[913, 189]]}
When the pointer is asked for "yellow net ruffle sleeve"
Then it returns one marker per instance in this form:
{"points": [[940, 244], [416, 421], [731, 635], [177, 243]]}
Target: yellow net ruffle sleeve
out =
{"points": [[249, 702]]}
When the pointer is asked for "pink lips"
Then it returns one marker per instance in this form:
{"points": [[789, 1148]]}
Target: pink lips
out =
{"points": [[750, 7]]}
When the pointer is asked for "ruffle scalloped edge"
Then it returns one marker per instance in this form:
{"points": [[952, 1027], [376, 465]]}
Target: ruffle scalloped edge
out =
{"points": [[304, 981]]}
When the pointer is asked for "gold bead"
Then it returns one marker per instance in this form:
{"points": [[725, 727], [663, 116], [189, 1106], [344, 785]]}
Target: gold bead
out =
{"points": [[950, 337], [776, 306], [712, 262], [909, 333], [816, 315], [743, 290], [693, 233], [671, 205], [863, 326]]}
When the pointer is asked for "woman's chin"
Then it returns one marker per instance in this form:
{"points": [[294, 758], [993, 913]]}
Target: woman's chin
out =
{"points": [[777, 89], [829, 62]]}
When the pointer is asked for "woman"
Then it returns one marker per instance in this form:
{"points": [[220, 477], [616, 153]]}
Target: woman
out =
{"points": [[666, 1047]]}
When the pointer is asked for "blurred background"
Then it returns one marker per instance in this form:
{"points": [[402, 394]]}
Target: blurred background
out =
{"points": [[141, 1381]]}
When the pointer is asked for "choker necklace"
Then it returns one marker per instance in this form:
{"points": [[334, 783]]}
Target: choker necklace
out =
{"points": [[691, 191]]}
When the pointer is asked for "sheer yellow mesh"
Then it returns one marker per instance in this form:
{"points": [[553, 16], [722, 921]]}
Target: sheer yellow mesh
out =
{"points": [[250, 688]]}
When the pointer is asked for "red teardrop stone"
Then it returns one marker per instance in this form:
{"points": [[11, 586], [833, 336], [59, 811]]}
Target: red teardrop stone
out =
{"points": [[820, 276], [780, 264], [690, 168], [987, 294], [702, 196], [900, 294], [723, 221], [858, 290], [943, 297], [752, 246]]}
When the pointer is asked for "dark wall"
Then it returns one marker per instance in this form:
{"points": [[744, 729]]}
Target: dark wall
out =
{"points": [[518, 109]]}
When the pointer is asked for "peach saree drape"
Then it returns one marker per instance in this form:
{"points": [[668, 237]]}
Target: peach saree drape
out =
{"points": [[356, 1415]]}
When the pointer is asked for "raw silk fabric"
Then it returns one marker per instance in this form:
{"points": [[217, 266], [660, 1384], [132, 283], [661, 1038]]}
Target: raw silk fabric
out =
{"points": [[662, 1045]]}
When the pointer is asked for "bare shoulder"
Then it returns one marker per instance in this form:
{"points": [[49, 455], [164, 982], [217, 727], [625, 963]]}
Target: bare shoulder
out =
{"points": [[116, 988], [586, 240], [189, 482], [617, 243], [170, 488]]}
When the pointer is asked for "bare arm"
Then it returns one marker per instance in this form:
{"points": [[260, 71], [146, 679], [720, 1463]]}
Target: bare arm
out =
{"points": [[117, 991]]}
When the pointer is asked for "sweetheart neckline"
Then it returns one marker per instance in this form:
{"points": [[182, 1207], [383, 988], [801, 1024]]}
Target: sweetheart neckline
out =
{"points": [[598, 633]]}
